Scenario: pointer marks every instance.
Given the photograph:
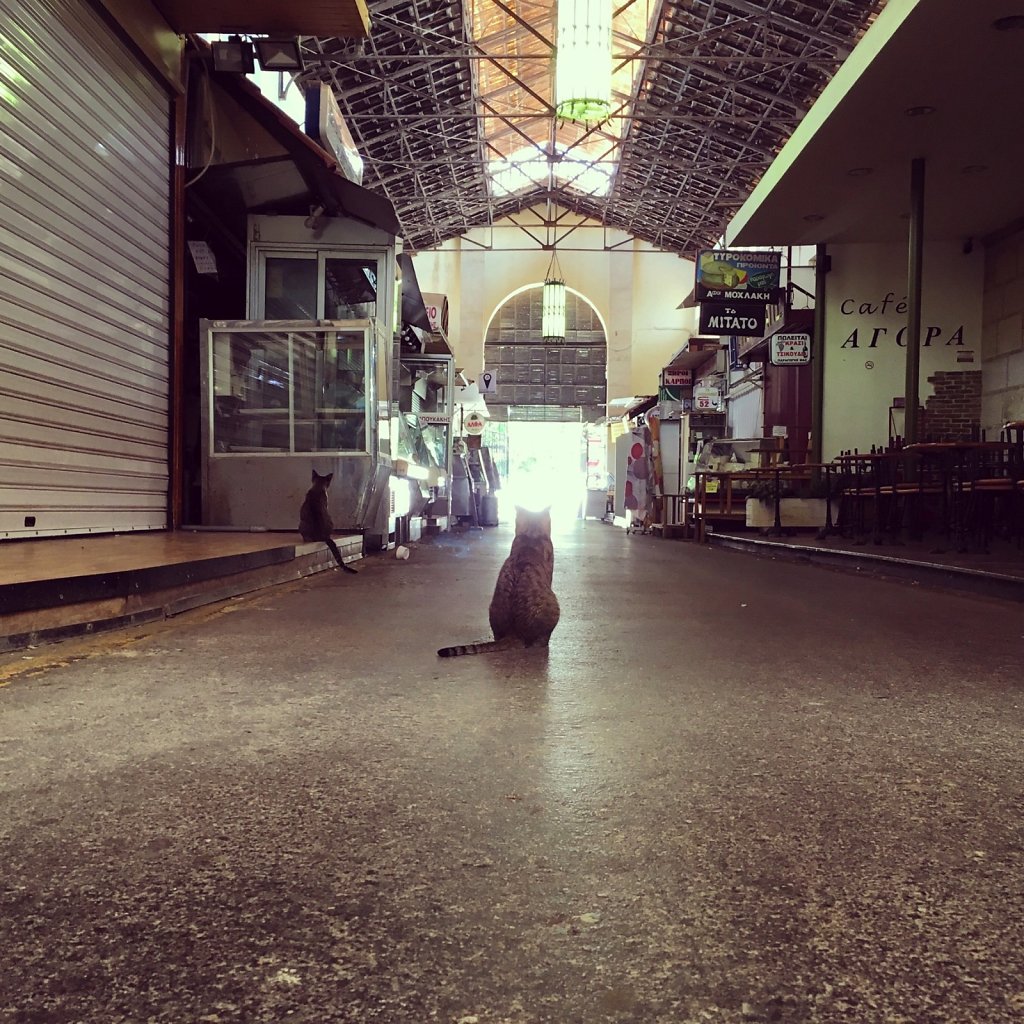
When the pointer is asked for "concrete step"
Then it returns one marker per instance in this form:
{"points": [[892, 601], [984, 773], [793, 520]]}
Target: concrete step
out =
{"points": [[34, 611]]}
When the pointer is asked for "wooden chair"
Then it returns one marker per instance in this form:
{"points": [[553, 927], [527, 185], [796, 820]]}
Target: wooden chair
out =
{"points": [[990, 492]]}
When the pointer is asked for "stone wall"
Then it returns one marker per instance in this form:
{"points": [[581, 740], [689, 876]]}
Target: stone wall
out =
{"points": [[1002, 347]]}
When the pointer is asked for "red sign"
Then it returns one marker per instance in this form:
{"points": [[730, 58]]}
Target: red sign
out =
{"points": [[676, 378]]}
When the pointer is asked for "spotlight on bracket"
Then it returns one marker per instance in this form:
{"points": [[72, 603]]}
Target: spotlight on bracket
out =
{"points": [[233, 55], [278, 54]]}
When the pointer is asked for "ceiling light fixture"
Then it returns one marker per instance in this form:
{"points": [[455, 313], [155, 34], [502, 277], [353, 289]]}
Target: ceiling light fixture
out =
{"points": [[813, 218], [920, 111], [974, 169], [553, 302], [1010, 23], [860, 172], [583, 60]]}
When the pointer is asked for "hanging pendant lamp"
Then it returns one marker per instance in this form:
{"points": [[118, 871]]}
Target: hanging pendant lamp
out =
{"points": [[583, 60], [553, 302]]}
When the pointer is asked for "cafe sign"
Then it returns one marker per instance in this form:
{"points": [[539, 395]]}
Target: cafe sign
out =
{"points": [[790, 349], [742, 319], [738, 274]]}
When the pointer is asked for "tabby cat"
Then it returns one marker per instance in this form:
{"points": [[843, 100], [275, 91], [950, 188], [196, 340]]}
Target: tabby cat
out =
{"points": [[315, 517], [524, 608]]}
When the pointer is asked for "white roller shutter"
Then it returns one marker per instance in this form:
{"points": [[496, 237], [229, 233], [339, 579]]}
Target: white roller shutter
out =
{"points": [[84, 277]]}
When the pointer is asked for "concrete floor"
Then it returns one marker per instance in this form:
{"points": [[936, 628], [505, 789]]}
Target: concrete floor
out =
{"points": [[734, 790]]}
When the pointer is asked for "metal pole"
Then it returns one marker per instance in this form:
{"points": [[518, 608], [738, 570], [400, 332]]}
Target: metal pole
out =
{"points": [[915, 253], [818, 354]]}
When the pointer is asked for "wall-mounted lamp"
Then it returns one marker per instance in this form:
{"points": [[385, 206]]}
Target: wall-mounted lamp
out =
{"points": [[278, 54], [553, 302], [233, 55]]}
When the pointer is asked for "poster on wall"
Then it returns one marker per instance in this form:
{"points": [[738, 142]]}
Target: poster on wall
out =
{"points": [[740, 274]]}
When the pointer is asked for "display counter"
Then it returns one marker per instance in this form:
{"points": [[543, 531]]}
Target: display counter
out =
{"points": [[423, 434], [280, 399]]}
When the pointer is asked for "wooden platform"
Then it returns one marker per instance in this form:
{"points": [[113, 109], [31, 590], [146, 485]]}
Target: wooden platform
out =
{"points": [[59, 587]]}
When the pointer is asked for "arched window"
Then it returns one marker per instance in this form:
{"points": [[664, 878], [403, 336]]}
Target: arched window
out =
{"points": [[538, 380]]}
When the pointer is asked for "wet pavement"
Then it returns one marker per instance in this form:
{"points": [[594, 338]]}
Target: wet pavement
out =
{"points": [[733, 790]]}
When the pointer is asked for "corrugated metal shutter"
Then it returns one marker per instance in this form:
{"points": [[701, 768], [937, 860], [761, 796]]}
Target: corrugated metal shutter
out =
{"points": [[84, 277]]}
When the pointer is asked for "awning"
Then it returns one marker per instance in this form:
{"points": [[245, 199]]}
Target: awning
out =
{"points": [[697, 350], [844, 175], [795, 321], [642, 405], [688, 360], [319, 171], [414, 311], [347, 18]]}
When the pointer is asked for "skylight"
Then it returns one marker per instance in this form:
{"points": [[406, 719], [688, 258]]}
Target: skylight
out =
{"points": [[525, 145], [528, 167]]}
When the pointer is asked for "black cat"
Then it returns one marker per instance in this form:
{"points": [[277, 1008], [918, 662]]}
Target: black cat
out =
{"points": [[315, 517]]}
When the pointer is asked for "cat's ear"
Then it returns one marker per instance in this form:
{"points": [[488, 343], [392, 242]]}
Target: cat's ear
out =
{"points": [[327, 479], [315, 476], [522, 518]]}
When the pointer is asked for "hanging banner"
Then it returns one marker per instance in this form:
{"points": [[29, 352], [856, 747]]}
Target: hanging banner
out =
{"points": [[790, 349], [738, 274], [436, 306], [742, 319]]}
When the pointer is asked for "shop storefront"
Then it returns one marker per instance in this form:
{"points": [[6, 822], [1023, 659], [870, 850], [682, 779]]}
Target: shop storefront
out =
{"points": [[85, 298], [299, 363]]}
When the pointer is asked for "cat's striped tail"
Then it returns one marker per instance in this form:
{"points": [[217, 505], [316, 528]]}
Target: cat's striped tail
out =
{"points": [[481, 647], [337, 557]]}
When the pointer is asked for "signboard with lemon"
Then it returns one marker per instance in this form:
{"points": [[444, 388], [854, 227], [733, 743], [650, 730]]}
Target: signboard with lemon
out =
{"points": [[738, 274]]}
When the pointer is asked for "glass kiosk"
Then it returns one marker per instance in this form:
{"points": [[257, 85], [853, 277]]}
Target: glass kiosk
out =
{"points": [[306, 383]]}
